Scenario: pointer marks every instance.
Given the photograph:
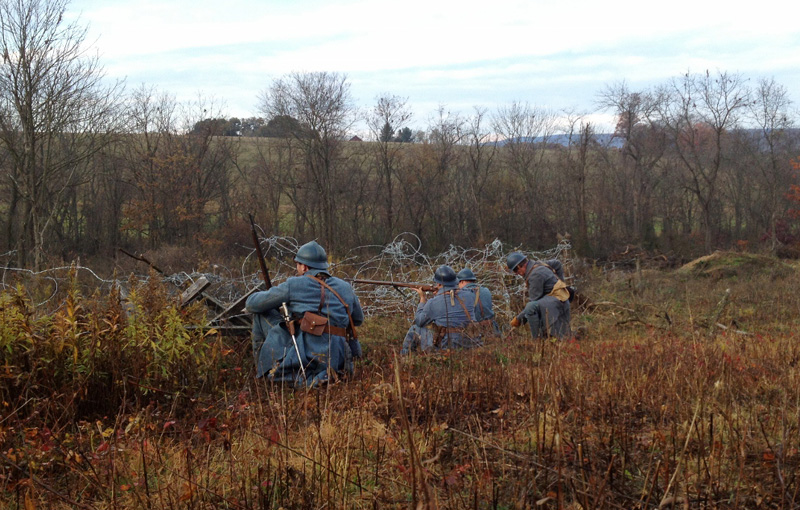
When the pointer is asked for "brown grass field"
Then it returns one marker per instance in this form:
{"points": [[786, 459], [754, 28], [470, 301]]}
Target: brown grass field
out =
{"points": [[682, 392]]}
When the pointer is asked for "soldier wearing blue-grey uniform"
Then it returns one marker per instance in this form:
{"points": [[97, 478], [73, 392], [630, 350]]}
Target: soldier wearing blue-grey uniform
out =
{"points": [[443, 322], [547, 311], [285, 352], [484, 309]]}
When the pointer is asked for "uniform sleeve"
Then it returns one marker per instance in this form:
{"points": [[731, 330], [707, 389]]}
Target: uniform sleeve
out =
{"points": [[530, 312], [423, 317], [486, 302], [356, 312], [535, 286], [264, 301], [557, 267]]}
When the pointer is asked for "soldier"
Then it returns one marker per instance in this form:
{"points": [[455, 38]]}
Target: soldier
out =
{"points": [[484, 311], [449, 312], [304, 328], [547, 311]]}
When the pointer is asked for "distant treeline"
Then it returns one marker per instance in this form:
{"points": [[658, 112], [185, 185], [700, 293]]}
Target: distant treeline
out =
{"points": [[703, 161]]}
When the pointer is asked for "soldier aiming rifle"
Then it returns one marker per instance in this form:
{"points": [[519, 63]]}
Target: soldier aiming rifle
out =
{"points": [[444, 321]]}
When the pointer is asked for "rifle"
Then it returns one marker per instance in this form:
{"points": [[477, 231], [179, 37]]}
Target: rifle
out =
{"points": [[260, 254], [425, 287]]}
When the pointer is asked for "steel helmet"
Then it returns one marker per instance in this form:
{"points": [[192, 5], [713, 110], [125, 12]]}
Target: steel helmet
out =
{"points": [[313, 255], [514, 259], [466, 274], [445, 276]]}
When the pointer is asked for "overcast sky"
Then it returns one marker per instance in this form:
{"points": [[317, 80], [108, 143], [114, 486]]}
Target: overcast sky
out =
{"points": [[455, 53]]}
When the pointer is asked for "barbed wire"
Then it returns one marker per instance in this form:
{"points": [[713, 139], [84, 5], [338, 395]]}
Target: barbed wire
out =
{"points": [[55, 276], [402, 260], [399, 260]]}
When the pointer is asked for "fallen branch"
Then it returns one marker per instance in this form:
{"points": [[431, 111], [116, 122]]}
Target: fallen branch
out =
{"points": [[737, 331], [714, 317], [608, 304]]}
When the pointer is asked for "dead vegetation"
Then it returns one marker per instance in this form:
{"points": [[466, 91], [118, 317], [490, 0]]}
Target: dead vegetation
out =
{"points": [[681, 393]]}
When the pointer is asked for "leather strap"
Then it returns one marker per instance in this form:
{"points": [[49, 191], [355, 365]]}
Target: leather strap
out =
{"points": [[331, 330], [477, 302], [439, 332], [347, 308], [450, 330]]}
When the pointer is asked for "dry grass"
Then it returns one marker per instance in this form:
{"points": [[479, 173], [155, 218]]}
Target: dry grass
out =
{"points": [[679, 394]]}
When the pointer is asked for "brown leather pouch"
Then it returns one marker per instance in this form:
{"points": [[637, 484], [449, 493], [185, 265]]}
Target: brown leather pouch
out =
{"points": [[313, 324]]}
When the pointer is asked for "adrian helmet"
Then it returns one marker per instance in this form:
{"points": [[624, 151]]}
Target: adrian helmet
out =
{"points": [[466, 274], [313, 255], [514, 259], [445, 276]]}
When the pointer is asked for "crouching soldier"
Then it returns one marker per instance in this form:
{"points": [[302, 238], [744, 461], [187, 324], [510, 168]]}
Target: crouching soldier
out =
{"points": [[547, 311], [304, 328], [449, 313], [484, 310]]}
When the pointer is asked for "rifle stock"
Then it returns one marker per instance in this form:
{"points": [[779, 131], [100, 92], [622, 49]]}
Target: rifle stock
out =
{"points": [[425, 287], [260, 254]]}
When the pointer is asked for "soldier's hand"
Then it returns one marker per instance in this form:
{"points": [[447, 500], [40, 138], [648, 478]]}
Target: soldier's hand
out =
{"points": [[421, 292], [515, 323]]}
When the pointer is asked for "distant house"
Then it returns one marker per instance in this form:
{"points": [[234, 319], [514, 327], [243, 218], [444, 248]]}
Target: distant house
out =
{"points": [[356, 139]]}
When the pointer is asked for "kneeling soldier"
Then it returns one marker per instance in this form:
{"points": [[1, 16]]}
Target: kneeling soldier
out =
{"points": [[449, 312], [484, 310], [304, 328], [547, 311]]}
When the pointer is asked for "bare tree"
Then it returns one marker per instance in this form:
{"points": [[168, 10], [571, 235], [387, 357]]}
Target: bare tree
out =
{"points": [[772, 153], [575, 164], [387, 116], [267, 182], [55, 114], [644, 143], [179, 166], [525, 131], [445, 134], [152, 121], [700, 114], [208, 159], [480, 168], [425, 180], [102, 202], [324, 110]]}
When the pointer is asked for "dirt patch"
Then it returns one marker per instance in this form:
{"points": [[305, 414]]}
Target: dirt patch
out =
{"points": [[726, 264]]}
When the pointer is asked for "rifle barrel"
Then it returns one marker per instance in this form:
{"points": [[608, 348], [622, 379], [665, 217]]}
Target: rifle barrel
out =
{"points": [[260, 254], [423, 286]]}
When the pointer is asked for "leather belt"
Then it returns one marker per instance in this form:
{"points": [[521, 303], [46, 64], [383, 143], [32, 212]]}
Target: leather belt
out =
{"points": [[333, 330]]}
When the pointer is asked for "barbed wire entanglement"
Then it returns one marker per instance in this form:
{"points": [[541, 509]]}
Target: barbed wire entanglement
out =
{"points": [[402, 260], [45, 286]]}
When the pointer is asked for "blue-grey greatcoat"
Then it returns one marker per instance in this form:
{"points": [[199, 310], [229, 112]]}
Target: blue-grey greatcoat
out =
{"points": [[484, 309], [545, 314], [274, 351], [444, 310]]}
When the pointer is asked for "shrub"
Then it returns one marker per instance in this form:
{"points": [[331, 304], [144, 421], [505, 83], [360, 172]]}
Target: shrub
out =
{"points": [[92, 353]]}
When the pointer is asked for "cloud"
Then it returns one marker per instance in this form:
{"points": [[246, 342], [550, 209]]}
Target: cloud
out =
{"points": [[445, 52]]}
